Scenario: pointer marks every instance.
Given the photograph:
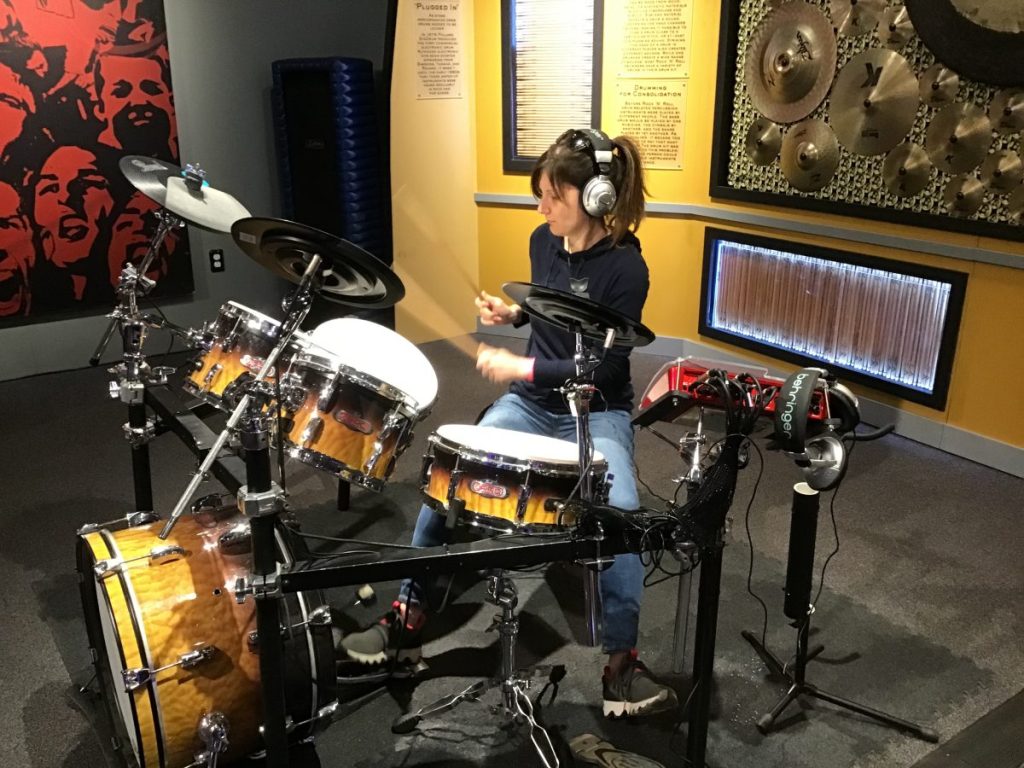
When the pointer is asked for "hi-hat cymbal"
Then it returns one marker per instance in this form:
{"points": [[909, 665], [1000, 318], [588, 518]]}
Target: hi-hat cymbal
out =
{"points": [[790, 62], [1002, 171], [348, 274], [874, 101], [1007, 110], [895, 27], [855, 17], [763, 142], [958, 138], [939, 86], [964, 195], [576, 314], [1015, 205], [810, 155], [183, 193], [906, 170]]}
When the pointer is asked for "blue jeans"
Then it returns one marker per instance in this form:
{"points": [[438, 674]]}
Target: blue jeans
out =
{"points": [[622, 584]]}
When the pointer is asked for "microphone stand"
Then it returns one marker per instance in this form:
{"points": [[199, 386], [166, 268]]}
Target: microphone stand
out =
{"points": [[132, 372]]}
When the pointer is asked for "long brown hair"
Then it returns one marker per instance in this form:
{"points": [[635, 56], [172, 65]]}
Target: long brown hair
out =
{"points": [[564, 164]]}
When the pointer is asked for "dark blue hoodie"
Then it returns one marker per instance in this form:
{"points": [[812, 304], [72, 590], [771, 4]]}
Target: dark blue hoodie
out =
{"points": [[616, 277]]}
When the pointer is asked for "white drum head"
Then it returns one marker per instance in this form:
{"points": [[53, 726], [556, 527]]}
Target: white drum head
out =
{"points": [[379, 352], [509, 442]]}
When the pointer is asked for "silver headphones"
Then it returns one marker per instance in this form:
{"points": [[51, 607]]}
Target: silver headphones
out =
{"points": [[598, 195]]}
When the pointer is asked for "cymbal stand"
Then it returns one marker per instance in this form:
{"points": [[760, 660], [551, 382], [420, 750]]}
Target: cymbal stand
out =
{"points": [[132, 371], [261, 500]]}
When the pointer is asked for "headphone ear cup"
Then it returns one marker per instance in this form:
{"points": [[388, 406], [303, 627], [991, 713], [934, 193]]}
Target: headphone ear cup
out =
{"points": [[598, 197], [843, 406], [827, 462]]}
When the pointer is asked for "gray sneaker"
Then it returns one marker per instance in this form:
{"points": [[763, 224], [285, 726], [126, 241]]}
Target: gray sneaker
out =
{"points": [[634, 692], [387, 639]]}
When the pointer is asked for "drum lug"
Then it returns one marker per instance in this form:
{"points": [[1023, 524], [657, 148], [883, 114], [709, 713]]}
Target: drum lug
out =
{"points": [[137, 436], [131, 520], [210, 374], [391, 421], [157, 556], [314, 427], [525, 491], [139, 676], [212, 730], [237, 540]]}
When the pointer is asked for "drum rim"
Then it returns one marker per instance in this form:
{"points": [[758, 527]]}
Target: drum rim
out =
{"points": [[515, 463], [332, 365]]}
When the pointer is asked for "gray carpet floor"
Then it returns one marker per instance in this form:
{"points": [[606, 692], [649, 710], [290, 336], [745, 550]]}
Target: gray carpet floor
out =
{"points": [[920, 612]]}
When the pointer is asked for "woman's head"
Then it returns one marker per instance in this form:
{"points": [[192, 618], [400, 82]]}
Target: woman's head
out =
{"points": [[597, 173]]}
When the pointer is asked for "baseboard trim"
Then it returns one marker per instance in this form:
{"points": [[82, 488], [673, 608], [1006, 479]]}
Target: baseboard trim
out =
{"points": [[954, 440]]}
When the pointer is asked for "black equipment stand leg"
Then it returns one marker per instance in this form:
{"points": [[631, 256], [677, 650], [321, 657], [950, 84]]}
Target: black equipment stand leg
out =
{"points": [[344, 495], [799, 572], [262, 503], [704, 652], [141, 475]]}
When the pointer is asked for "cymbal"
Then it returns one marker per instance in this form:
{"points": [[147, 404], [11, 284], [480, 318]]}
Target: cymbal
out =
{"points": [[906, 170], [1002, 171], [574, 314], [895, 27], [790, 62], [348, 275], [964, 195], [939, 86], [810, 155], [874, 101], [1007, 110], [958, 138], [855, 17], [1015, 205], [183, 193], [764, 139]]}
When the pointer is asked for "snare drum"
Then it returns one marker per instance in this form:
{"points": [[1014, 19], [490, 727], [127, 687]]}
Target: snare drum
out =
{"points": [[507, 480], [353, 398], [237, 343], [171, 644]]}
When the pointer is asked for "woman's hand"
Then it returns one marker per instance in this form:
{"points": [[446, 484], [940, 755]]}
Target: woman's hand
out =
{"points": [[501, 366], [494, 311]]}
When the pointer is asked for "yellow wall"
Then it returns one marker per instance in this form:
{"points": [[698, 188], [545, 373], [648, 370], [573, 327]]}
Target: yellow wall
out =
{"points": [[990, 352], [432, 170]]}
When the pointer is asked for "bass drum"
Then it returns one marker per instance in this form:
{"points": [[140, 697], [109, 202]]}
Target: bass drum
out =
{"points": [[172, 646]]}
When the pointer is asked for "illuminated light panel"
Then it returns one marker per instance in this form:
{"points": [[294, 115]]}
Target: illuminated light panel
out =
{"points": [[883, 324]]}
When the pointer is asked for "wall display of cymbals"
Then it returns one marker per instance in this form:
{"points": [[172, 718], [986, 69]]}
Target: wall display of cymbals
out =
{"points": [[838, 106]]}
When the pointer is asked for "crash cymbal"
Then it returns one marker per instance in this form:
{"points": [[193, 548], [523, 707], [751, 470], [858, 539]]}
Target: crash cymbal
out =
{"points": [[874, 101], [810, 155], [578, 315], [1015, 205], [1002, 171], [906, 170], [790, 62], [939, 86], [764, 139], [855, 17], [997, 15], [958, 138], [184, 193], [895, 27], [1007, 110], [348, 274], [964, 195]]}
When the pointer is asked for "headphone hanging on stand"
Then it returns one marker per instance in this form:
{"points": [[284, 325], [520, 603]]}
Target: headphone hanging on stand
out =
{"points": [[823, 456], [598, 194]]}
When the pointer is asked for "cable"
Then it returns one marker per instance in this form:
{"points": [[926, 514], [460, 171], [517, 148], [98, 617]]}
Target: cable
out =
{"points": [[750, 543], [835, 533]]}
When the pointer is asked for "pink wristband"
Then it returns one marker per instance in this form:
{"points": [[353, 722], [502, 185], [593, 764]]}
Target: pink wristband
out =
{"points": [[528, 369]]}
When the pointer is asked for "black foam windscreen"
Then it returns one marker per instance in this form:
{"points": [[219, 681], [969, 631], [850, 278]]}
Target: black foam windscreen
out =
{"points": [[803, 530]]}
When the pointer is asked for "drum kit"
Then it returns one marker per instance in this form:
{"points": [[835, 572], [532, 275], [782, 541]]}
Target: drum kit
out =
{"points": [[180, 654]]}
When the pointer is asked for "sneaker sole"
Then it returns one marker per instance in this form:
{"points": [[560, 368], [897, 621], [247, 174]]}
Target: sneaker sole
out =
{"points": [[649, 706], [404, 655]]}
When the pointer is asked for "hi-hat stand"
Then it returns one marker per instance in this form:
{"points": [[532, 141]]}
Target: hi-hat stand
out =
{"points": [[799, 573], [133, 373]]}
